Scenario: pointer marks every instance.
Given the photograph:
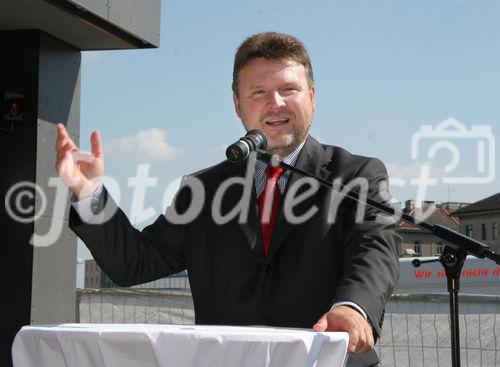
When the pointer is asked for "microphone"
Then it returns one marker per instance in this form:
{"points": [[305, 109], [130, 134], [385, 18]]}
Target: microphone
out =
{"points": [[253, 140]]}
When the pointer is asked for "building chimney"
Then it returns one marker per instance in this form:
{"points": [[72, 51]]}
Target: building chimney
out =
{"points": [[428, 204], [409, 206]]}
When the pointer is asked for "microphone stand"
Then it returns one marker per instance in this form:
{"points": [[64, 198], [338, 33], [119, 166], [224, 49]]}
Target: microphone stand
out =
{"points": [[454, 254]]}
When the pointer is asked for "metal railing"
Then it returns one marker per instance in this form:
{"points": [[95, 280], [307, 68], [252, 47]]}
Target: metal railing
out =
{"points": [[416, 327]]}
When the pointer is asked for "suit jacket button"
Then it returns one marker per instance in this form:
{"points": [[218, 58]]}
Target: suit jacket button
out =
{"points": [[267, 317], [269, 269]]}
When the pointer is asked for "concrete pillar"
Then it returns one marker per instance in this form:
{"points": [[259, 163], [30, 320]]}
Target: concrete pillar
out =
{"points": [[38, 279]]}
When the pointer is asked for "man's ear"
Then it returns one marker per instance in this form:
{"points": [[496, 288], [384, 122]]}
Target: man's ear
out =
{"points": [[236, 105], [313, 98]]}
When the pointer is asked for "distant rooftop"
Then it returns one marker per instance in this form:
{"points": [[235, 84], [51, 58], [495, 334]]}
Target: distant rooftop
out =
{"points": [[491, 203], [431, 215]]}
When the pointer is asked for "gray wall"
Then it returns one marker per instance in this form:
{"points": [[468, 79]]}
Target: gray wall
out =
{"points": [[476, 220], [38, 278], [427, 247]]}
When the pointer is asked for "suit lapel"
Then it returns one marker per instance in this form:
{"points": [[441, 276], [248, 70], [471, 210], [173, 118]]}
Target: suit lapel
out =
{"points": [[250, 227], [312, 159]]}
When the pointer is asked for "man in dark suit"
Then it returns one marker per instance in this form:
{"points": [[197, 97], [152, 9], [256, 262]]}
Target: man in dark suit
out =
{"points": [[290, 253]]}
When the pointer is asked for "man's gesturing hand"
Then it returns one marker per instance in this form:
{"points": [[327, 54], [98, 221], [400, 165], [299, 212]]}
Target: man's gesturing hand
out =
{"points": [[345, 318], [80, 172]]}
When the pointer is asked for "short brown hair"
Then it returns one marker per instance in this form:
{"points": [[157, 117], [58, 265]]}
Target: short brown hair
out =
{"points": [[271, 46]]}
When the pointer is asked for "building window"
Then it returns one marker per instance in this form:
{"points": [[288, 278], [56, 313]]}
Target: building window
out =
{"points": [[494, 231], [439, 248], [483, 231], [416, 247], [468, 230]]}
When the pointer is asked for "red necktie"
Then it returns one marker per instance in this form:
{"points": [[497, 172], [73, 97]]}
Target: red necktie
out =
{"points": [[269, 203]]}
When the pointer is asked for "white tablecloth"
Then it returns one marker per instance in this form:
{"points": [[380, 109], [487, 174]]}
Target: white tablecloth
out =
{"points": [[140, 345]]}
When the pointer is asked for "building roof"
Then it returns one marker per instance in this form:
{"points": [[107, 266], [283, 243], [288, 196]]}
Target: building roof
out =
{"points": [[87, 24], [484, 205], [430, 215]]}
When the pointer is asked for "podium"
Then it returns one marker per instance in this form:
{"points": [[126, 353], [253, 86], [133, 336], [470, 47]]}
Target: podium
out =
{"points": [[150, 345]]}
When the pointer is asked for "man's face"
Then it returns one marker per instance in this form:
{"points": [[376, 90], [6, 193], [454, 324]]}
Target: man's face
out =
{"points": [[274, 97]]}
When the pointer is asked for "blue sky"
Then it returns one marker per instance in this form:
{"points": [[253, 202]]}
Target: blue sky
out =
{"points": [[382, 70]]}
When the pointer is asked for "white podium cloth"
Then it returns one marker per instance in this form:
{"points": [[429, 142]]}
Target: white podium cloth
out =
{"points": [[146, 345]]}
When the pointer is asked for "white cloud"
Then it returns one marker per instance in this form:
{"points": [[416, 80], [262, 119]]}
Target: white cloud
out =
{"points": [[148, 145], [414, 180], [413, 171]]}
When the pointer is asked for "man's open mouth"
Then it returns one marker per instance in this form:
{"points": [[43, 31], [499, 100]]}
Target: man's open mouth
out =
{"points": [[277, 121]]}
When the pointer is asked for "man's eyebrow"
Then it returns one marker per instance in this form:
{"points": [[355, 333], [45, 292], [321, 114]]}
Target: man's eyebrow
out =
{"points": [[261, 86], [257, 86]]}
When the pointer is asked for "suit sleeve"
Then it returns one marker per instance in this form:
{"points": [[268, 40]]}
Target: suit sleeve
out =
{"points": [[129, 256], [371, 248]]}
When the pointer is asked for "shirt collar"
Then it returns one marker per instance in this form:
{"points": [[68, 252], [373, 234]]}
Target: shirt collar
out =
{"points": [[289, 159], [260, 171]]}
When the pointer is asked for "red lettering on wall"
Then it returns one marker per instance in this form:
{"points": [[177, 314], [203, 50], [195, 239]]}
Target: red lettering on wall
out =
{"points": [[475, 272], [420, 274], [441, 274]]}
